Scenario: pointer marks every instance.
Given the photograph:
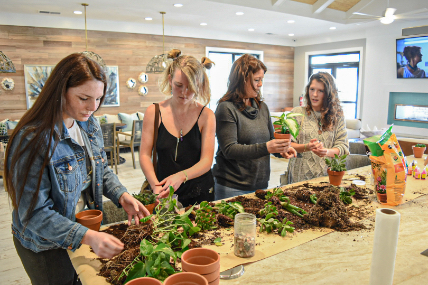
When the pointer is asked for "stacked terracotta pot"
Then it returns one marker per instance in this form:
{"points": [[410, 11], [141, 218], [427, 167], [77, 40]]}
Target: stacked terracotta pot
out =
{"points": [[203, 261], [90, 219]]}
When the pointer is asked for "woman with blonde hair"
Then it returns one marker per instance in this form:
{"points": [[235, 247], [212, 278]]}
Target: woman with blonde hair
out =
{"points": [[186, 133], [322, 130]]}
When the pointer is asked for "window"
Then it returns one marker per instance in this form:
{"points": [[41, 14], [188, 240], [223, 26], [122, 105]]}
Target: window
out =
{"points": [[345, 68], [219, 74]]}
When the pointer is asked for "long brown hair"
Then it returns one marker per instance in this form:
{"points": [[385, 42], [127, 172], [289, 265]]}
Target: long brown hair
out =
{"points": [[42, 122], [242, 70], [331, 111]]}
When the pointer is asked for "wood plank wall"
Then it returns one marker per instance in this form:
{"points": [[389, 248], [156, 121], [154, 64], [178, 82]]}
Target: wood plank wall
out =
{"points": [[131, 52]]}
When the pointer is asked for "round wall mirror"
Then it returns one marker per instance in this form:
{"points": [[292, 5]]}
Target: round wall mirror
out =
{"points": [[143, 90], [143, 77], [7, 83], [131, 83]]}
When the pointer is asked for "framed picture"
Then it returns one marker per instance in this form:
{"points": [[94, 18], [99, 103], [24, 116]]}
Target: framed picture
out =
{"points": [[35, 78], [112, 94]]}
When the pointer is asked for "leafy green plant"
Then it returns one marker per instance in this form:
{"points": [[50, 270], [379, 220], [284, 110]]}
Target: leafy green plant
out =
{"points": [[346, 196], [229, 209], [313, 198], [205, 216], [278, 193], [336, 163], [285, 202], [288, 124], [146, 198], [271, 224], [420, 145], [269, 211]]}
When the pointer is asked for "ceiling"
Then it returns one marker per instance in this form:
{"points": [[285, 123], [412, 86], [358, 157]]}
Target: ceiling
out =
{"points": [[268, 18]]}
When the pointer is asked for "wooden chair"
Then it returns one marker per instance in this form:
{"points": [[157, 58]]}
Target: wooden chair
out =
{"points": [[109, 137], [135, 138]]}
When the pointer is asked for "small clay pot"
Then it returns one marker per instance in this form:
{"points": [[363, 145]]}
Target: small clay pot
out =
{"points": [[183, 278], [381, 198], [211, 277], [144, 281], [335, 177], [90, 219], [151, 207], [418, 151], [201, 261], [278, 135]]}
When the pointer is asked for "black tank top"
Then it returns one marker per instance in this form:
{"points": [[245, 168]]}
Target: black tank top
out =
{"points": [[188, 154]]}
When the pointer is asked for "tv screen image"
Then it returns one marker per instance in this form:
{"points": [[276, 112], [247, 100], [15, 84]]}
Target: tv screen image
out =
{"points": [[410, 57]]}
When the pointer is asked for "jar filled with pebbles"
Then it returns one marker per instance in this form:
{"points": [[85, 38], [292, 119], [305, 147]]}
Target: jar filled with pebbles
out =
{"points": [[245, 235]]}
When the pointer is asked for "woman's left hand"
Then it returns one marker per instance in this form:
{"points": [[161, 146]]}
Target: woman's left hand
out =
{"points": [[174, 180], [133, 207], [291, 152]]}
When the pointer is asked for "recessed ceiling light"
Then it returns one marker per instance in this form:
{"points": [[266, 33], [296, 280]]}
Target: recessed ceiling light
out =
{"points": [[78, 12], [178, 5], [291, 35], [148, 18], [251, 30], [332, 28], [204, 24], [239, 13], [290, 21]]}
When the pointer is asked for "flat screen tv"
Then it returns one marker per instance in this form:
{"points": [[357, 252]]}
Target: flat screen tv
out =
{"points": [[412, 57]]}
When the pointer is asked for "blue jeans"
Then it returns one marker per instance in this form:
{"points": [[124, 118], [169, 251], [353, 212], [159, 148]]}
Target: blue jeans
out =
{"points": [[224, 192]]}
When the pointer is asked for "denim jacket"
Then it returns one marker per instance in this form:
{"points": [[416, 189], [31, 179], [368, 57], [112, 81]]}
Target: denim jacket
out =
{"points": [[53, 223]]}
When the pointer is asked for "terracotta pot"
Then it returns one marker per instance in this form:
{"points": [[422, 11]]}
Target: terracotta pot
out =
{"points": [[185, 278], [335, 177], [151, 207], [215, 282], [381, 198], [144, 281], [282, 136], [211, 277], [418, 151], [90, 219], [201, 261]]}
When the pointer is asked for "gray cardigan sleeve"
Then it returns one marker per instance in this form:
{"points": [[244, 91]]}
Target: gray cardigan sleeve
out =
{"points": [[227, 134], [341, 137]]}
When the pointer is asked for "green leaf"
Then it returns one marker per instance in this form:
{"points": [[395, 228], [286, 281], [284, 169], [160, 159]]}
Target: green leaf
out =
{"points": [[218, 242], [294, 127], [146, 219], [185, 243], [137, 271], [146, 248]]}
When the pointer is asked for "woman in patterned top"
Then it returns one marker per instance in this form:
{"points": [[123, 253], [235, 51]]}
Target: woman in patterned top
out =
{"points": [[323, 133]]}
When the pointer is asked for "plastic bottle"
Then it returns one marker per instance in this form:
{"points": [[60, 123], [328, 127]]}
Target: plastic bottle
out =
{"points": [[424, 174], [245, 235], [417, 173]]}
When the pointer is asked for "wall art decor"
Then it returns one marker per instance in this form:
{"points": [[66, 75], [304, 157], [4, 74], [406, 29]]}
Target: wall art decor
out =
{"points": [[35, 78], [143, 90], [143, 77], [131, 83], [112, 95], [7, 84]]}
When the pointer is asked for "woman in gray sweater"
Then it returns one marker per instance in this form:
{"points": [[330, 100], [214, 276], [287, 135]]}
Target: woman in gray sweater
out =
{"points": [[245, 133]]}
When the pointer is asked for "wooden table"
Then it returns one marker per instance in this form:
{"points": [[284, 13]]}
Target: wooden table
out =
{"points": [[344, 258]]}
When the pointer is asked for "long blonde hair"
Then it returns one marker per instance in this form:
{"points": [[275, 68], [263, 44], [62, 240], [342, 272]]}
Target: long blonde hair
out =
{"points": [[194, 71]]}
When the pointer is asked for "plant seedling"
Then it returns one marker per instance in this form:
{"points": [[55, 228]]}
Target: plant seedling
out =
{"points": [[336, 163], [288, 124], [205, 216], [346, 196], [420, 145], [229, 209], [146, 198]]}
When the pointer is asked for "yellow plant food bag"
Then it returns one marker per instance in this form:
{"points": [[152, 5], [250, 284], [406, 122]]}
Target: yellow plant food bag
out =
{"points": [[389, 171]]}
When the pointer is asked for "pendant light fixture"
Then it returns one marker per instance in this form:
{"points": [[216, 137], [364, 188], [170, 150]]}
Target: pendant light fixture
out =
{"points": [[158, 63], [6, 65], [90, 54]]}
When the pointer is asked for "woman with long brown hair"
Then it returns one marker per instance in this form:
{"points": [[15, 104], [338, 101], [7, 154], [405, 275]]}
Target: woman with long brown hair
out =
{"points": [[56, 165], [322, 130], [245, 133], [186, 133]]}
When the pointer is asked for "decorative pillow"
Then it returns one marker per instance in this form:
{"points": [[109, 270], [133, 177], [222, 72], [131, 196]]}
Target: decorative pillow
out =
{"points": [[11, 124], [3, 127], [128, 119], [112, 119], [101, 119], [140, 115]]}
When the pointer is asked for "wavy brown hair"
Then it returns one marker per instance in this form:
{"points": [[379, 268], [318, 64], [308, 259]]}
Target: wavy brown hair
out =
{"points": [[242, 70], [194, 71], [331, 111], [43, 123]]}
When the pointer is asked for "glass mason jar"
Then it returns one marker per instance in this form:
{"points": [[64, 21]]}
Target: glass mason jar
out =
{"points": [[245, 235]]}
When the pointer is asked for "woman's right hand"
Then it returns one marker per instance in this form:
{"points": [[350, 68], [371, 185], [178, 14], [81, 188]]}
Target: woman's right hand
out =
{"points": [[314, 144], [159, 190], [103, 244], [278, 145]]}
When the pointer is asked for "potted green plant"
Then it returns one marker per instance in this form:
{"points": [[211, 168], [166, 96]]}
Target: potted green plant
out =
{"points": [[418, 150], [380, 185], [286, 125], [336, 168], [147, 198]]}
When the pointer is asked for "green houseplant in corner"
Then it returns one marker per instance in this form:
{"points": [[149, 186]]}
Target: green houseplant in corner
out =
{"points": [[418, 150], [286, 125], [336, 168]]}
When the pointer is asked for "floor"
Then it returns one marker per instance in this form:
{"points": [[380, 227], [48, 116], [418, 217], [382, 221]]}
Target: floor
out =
{"points": [[11, 270]]}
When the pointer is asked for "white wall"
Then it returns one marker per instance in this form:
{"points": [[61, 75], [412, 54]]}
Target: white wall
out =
{"points": [[379, 74]]}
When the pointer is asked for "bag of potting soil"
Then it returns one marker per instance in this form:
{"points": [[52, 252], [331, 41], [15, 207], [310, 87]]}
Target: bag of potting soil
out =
{"points": [[389, 168]]}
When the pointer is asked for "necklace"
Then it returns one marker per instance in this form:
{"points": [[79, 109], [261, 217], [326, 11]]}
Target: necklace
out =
{"points": [[181, 135], [413, 68], [319, 123]]}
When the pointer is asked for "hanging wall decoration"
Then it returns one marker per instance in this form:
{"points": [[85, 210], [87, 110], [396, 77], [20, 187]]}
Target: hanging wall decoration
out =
{"points": [[112, 94], [143, 90], [143, 77], [35, 78], [131, 83], [7, 84]]}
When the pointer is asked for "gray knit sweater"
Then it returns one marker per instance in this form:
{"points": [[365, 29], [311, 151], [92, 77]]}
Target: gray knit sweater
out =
{"points": [[242, 160]]}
